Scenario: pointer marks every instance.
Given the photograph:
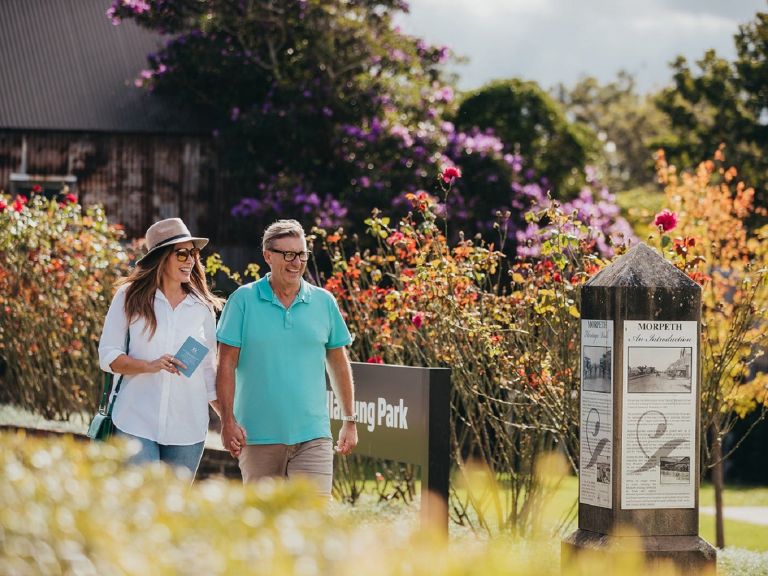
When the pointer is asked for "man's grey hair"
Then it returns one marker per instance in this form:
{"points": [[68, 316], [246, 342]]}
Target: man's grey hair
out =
{"points": [[281, 229]]}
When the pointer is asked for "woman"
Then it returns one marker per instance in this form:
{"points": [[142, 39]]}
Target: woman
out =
{"points": [[163, 301]]}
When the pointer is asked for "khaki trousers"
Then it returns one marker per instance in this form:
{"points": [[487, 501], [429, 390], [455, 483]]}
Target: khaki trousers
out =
{"points": [[312, 460]]}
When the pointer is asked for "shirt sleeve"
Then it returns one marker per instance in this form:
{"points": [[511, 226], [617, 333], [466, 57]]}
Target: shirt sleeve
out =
{"points": [[230, 330], [209, 366], [339, 335], [112, 342]]}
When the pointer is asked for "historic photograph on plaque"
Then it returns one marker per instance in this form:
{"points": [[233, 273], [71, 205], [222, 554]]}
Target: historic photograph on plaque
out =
{"points": [[675, 470], [596, 431], [662, 371], [659, 414], [596, 368]]}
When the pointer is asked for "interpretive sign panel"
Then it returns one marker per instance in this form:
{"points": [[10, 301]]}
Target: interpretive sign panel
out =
{"points": [[596, 432], [403, 414], [659, 414]]}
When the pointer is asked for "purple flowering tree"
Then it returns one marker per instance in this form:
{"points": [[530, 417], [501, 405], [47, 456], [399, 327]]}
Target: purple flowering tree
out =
{"points": [[323, 113]]}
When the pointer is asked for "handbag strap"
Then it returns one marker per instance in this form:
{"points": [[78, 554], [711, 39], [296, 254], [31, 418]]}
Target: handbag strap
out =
{"points": [[108, 379], [108, 376]]}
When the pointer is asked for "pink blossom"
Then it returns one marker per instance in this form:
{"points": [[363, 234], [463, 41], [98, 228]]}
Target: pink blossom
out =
{"points": [[450, 174], [375, 360], [418, 319], [444, 94], [138, 6], [666, 220]]}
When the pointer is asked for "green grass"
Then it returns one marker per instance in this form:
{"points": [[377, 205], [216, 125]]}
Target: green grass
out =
{"points": [[742, 535], [735, 495], [737, 534]]}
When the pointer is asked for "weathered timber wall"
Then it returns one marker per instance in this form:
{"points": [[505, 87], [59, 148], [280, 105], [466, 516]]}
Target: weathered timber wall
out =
{"points": [[138, 178]]}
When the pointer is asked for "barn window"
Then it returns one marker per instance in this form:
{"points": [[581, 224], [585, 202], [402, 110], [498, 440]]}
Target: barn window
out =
{"points": [[52, 187]]}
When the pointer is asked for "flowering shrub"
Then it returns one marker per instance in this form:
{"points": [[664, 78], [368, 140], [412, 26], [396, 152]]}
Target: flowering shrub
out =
{"points": [[58, 262], [594, 207], [418, 300], [712, 242]]}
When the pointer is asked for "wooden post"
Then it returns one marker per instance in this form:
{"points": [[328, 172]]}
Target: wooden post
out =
{"points": [[640, 433]]}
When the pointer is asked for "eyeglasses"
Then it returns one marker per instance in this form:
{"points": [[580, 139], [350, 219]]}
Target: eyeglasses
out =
{"points": [[290, 256], [183, 254]]}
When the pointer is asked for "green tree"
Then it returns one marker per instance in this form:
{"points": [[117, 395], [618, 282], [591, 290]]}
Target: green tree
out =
{"points": [[626, 123], [525, 117], [723, 102]]}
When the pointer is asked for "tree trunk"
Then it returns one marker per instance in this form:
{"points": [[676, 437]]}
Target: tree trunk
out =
{"points": [[718, 484]]}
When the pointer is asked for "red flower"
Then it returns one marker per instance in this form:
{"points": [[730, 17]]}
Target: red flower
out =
{"points": [[449, 174], [666, 220], [418, 319], [375, 360], [19, 203], [3, 205], [36, 189], [70, 199]]}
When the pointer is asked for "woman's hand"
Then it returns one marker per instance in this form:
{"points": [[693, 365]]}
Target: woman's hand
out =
{"points": [[165, 362]]}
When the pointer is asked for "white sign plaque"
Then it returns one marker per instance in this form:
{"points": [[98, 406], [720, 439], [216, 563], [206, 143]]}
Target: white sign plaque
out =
{"points": [[659, 414], [596, 431]]}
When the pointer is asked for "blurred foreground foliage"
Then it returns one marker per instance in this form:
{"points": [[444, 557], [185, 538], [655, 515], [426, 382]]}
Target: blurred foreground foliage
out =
{"points": [[67, 507]]}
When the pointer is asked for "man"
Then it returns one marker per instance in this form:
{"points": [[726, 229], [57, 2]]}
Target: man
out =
{"points": [[276, 337]]}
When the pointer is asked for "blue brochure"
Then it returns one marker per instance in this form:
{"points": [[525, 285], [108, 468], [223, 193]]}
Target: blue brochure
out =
{"points": [[191, 354]]}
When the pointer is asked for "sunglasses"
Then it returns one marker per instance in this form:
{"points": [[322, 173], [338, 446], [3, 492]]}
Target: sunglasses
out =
{"points": [[183, 254]]}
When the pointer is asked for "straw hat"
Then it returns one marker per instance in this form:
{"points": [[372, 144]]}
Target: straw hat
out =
{"points": [[167, 232]]}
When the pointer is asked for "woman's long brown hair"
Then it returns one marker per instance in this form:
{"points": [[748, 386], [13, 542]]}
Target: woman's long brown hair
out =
{"points": [[146, 278]]}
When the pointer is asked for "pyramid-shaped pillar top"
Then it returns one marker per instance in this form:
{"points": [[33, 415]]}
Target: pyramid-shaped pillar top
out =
{"points": [[642, 267]]}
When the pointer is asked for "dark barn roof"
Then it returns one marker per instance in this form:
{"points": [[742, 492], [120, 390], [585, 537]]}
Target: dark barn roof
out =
{"points": [[65, 66]]}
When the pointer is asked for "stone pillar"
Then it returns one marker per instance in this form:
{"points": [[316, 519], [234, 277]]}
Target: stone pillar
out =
{"points": [[639, 432]]}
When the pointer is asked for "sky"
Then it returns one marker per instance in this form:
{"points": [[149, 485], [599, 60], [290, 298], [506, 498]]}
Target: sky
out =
{"points": [[554, 41]]}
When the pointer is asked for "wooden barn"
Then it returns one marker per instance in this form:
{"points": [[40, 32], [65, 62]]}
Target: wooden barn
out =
{"points": [[71, 115]]}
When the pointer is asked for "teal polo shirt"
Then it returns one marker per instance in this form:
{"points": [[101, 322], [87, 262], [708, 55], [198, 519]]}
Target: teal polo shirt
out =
{"points": [[280, 394]]}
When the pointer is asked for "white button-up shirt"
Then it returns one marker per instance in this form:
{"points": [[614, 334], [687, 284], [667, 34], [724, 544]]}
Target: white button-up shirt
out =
{"points": [[167, 408]]}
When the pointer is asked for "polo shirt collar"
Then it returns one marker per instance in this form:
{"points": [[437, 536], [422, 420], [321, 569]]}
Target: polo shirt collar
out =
{"points": [[266, 292]]}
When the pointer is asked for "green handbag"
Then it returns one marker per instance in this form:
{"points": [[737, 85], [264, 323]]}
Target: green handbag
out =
{"points": [[102, 428]]}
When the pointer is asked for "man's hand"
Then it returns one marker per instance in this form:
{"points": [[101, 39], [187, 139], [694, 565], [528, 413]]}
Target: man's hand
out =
{"points": [[347, 438], [232, 437]]}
